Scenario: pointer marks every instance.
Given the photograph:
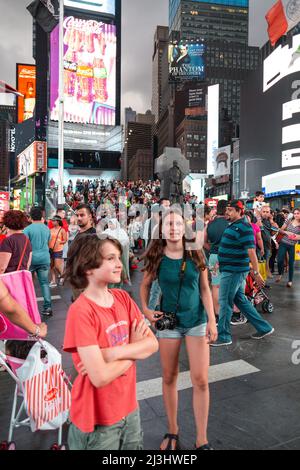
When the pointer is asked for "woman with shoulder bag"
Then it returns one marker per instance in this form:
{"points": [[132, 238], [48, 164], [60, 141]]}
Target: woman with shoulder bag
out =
{"points": [[291, 236], [56, 245], [15, 250], [185, 305]]}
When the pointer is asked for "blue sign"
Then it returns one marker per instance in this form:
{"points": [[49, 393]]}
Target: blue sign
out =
{"points": [[96, 6], [186, 61], [232, 3]]}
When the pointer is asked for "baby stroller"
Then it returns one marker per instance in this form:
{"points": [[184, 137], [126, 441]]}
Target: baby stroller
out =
{"points": [[40, 382], [257, 295]]}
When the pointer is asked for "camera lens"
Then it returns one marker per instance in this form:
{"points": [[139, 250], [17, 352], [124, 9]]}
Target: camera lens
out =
{"points": [[161, 325]]}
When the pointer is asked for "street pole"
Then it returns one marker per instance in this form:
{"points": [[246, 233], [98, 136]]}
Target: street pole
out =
{"points": [[61, 198], [26, 183]]}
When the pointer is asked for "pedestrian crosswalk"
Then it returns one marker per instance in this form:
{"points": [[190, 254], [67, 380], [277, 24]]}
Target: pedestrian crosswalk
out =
{"points": [[229, 370], [53, 297]]}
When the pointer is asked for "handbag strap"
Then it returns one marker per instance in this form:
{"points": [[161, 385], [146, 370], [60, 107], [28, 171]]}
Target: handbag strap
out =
{"points": [[23, 254], [56, 239]]}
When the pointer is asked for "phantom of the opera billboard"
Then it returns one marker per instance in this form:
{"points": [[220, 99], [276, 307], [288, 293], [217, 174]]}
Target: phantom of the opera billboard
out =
{"points": [[186, 61]]}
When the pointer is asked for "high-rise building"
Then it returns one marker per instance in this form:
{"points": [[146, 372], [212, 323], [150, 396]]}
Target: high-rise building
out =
{"points": [[92, 131], [147, 118], [223, 26], [7, 118], [139, 136], [141, 166], [159, 64], [223, 20], [130, 116]]}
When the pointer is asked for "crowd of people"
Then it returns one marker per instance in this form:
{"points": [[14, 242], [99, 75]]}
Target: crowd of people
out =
{"points": [[96, 192], [193, 289]]}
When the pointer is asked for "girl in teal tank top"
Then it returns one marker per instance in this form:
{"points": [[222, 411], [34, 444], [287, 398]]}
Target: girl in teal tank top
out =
{"points": [[195, 320]]}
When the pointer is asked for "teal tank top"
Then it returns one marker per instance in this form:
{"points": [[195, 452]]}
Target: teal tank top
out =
{"points": [[191, 311]]}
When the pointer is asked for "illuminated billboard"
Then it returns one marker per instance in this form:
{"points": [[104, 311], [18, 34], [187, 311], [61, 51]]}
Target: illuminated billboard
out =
{"points": [[32, 160], [186, 61], [222, 161], [90, 50], [212, 126], [98, 6], [284, 61], [26, 84]]}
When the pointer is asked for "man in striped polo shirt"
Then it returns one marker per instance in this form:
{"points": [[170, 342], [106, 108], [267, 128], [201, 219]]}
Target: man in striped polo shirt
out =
{"points": [[236, 251]]}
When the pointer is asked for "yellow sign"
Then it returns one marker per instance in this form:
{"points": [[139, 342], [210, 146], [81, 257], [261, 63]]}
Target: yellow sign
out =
{"points": [[297, 252]]}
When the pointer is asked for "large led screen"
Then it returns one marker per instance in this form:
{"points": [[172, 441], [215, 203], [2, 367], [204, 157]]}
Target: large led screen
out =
{"points": [[90, 50], [186, 61], [99, 6], [26, 84], [212, 126]]}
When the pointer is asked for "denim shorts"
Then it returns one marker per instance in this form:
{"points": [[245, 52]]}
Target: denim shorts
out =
{"points": [[180, 333], [57, 255]]}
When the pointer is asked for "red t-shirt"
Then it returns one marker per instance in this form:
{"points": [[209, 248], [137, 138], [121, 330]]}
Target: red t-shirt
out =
{"points": [[88, 324]]}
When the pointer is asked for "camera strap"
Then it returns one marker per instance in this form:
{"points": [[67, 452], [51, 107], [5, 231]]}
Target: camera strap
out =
{"points": [[182, 271]]}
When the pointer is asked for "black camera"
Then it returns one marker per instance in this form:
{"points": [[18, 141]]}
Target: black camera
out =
{"points": [[168, 321]]}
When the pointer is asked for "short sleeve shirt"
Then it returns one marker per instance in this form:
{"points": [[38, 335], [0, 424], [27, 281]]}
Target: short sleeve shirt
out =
{"points": [[39, 236], [237, 239], [88, 324], [15, 245], [215, 230]]}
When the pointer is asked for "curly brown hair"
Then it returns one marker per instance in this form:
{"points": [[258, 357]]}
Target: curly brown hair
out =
{"points": [[15, 220], [153, 256], [85, 253]]}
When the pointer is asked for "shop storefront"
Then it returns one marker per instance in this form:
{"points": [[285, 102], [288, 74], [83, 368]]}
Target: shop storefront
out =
{"points": [[29, 187]]}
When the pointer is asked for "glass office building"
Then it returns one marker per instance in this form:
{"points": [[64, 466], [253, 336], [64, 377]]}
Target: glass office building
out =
{"points": [[223, 26]]}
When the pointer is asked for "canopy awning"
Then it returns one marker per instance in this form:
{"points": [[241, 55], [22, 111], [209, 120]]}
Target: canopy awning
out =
{"points": [[5, 88]]}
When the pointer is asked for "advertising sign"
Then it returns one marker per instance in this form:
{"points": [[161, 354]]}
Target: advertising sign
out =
{"points": [[211, 202], [186, 61], [12, 139], [103, 6], [281, 183], [26, 84], [4, 201], [212, 126], [32, 160], [90, 50], [17, 199], [222, 160], [284, 61], [197, 97]]}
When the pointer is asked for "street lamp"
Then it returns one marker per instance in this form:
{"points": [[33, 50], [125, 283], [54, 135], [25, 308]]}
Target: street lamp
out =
{"points": [[245, 169], [27, 158]]}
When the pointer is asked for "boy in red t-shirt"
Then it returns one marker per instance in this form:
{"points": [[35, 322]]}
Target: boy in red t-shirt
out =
{"points": [[106, 333]]}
